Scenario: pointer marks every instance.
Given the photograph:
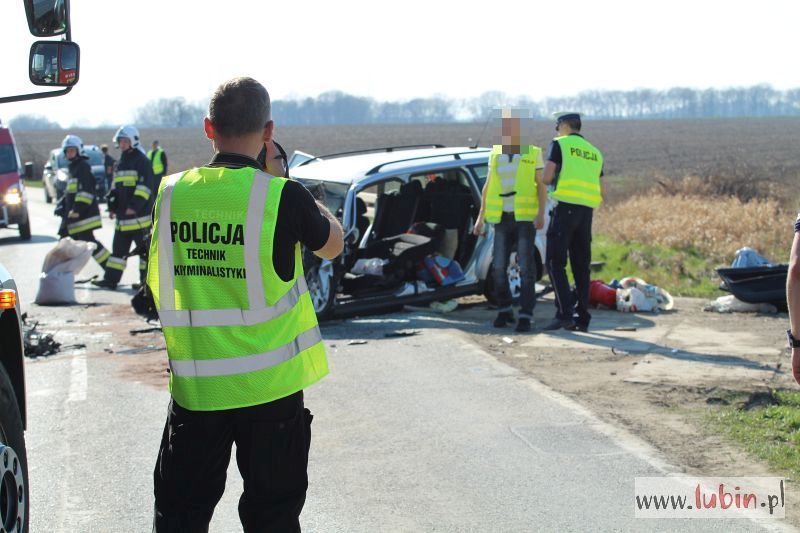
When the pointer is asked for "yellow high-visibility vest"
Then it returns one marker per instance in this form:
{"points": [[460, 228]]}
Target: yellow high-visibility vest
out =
{"points": [[526, 200], [237, 334], [581, 166], [155, 158]]}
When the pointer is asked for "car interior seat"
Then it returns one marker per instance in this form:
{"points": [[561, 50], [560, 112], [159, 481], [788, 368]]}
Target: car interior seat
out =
{"points": [[395, 212]]}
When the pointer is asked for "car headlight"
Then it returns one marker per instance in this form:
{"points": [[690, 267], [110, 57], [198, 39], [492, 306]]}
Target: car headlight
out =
{"points": [[61, 175], [13, 195]]}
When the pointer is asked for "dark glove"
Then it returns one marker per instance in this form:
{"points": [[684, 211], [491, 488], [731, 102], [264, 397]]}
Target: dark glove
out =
{"points": [[111, 199], [60, 210]]}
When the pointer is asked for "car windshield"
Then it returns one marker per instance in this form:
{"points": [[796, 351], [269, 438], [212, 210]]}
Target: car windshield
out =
{"points": [[61, 160], [331, 194], [8, 159], [95, 157]]}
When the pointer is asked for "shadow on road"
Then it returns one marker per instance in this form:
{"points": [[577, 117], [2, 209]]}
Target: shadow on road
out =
{"points": [[35, 239], [476, 319]]}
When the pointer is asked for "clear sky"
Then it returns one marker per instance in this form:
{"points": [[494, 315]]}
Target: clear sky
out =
{"points": [[136, 51]]}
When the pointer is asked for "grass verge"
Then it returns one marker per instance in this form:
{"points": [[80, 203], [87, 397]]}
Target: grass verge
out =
{"points": [[770, 431], [679, 272]]}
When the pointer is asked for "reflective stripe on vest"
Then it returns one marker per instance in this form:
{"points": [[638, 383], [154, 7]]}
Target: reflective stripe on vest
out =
{"points": [[579, 178], [158, 164], [266, 343], [525, 198]]}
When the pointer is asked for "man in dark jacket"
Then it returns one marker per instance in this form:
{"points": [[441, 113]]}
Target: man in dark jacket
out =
{"points": [[130, 202], [78, 207]]}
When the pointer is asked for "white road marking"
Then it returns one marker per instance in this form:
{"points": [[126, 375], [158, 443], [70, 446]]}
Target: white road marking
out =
{"points": [[78, 380]]}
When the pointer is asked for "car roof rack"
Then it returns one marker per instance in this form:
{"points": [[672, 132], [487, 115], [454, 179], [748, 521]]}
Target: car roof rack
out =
{"points": [[371, 150], [455, 156]]}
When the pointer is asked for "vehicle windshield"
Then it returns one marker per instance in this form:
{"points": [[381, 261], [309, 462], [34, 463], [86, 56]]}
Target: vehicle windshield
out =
{"points": [[331, 194], [8, 159], [95, 157]]}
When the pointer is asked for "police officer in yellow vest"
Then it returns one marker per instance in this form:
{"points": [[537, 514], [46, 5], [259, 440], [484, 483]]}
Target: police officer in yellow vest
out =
{"points": [[158, 158], [573, 170], [226, 275], [513, 201]]}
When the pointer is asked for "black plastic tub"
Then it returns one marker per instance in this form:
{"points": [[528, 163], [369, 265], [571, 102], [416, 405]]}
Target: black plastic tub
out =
{"points": [[756, 285]]}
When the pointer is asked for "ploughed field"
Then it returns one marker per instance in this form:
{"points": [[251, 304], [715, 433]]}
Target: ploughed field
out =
{"points": [[637, 153]]}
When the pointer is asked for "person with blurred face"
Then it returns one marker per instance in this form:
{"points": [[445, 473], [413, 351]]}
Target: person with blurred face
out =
{"points": [[513, 201], [573, 170], [108, 165], [130, 202], [79, 205]]}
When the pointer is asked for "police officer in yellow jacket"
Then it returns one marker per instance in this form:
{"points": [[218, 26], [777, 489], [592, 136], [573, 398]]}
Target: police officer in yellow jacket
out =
{"points": [[78, 206], [226, 274], [573, 170], [514, 199], [130, 202], [158, 158]]}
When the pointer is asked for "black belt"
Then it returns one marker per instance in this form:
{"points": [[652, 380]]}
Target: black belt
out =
{"points": [[507, 194]]}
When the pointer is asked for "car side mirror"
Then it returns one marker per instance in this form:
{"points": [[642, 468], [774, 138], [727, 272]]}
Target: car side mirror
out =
{"points": [[28, 170], [54, 63], [48, 166], [47, 18]]}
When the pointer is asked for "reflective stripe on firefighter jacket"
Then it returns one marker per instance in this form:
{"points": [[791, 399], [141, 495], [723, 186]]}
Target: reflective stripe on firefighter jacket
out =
{"points": [[158, 163], [579, 178], [80, 198], [237, 334], [513, 184], [133, 187]]}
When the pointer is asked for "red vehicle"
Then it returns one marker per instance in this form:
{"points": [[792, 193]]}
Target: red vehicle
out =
{"points": [[13, 198]]}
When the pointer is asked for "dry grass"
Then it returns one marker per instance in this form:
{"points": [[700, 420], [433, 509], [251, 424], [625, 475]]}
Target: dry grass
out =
{"points": [[711, 226]]}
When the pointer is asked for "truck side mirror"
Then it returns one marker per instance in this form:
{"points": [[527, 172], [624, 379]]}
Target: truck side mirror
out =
{"points": [[54, 63], [28, 170], [47, 18]]}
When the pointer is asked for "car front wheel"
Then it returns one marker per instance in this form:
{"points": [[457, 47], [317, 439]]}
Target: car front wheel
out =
{"points": [[25, 228], [13, 461], [47, 198], [321, 288], [514, 282]]}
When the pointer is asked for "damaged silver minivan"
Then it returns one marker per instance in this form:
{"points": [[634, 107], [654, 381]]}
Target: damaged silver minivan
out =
{"points": [[407, 214]]}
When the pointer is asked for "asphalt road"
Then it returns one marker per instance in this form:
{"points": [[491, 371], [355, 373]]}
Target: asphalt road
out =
{"points": [[420, 433]]}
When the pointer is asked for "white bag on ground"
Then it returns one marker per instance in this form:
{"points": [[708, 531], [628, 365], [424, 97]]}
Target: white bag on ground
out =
{"points": [[57, 281]]}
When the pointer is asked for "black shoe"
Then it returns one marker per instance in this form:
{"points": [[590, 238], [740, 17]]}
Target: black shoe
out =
{"points": [[578, 327], [557, 323], [104, 283], [503, 319], [524, 325]]}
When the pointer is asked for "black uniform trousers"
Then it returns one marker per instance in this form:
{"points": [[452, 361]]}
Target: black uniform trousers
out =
{"points": [[272, 443], [121, 247], [570, 234]]}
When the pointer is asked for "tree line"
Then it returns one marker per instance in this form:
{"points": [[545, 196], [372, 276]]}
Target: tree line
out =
{"points": [[335, 107]]}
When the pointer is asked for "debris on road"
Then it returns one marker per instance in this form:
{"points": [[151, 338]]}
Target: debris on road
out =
{"points": [[142, 349], [401, 333], [731, 304], [37, 344], [145, 330], [625, 328], [62, 262], [508, 340], [356, 342]]}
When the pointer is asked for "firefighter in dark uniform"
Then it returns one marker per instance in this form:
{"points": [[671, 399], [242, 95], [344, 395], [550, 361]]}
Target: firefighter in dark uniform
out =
{"points": [[130, 202], [573, 170], [78, 207]]}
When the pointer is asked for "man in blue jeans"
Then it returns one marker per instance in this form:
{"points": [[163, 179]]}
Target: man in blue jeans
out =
{"points": [[514, 201]]}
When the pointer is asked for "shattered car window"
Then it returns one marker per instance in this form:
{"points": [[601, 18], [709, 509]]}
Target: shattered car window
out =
{"points": [[331, 194]]}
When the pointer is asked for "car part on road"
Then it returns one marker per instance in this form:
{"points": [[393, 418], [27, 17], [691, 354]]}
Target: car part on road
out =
{"points": [[37, 344], [401, 333]]}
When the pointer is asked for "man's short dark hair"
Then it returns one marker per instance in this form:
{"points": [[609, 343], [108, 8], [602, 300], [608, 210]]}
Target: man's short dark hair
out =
{"points": [[238, 107], [573, 123]]}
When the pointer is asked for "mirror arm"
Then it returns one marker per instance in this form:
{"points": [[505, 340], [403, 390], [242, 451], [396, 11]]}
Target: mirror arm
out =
{"points": [[34, 96]]}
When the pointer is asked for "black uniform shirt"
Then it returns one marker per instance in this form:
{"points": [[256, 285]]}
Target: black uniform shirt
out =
{"points": [[299, 218], [554, 155]]}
